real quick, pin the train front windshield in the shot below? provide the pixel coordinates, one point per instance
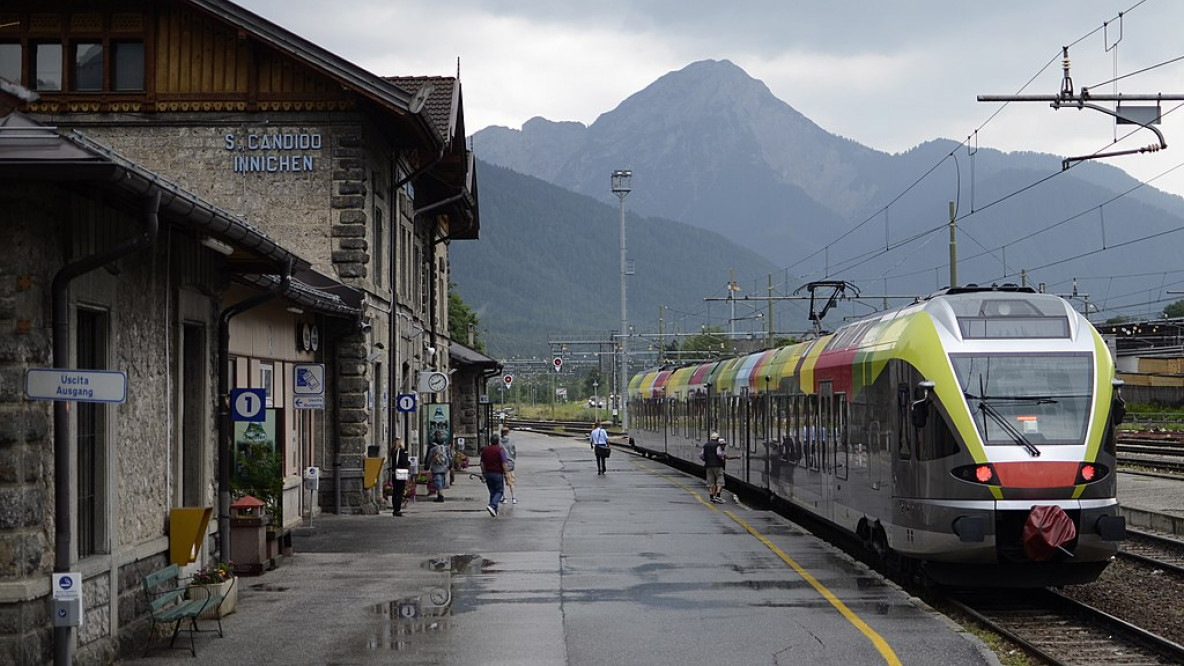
(1027, 399)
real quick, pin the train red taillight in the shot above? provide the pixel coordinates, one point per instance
(1091, 472)
(981, 473)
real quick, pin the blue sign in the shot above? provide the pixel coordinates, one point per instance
(247, 404)
(309, 379)
(405, 402)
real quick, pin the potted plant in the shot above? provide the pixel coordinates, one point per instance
(215, 580)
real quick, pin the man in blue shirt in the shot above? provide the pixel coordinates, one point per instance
(599, 440)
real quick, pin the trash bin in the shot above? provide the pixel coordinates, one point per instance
(248, 535)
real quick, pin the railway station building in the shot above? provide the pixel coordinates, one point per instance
(202, 202)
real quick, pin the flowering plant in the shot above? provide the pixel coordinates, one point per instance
(218, 573)
(461, 461)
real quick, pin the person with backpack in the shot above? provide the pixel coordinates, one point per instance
(600, 447)
(493, 468)
(714, 457)
(440, 462)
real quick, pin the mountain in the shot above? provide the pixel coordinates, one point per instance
(712, 147)
(548, 262)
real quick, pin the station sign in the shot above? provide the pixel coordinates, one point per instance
(247, 404)
(308, 401)
(405, 402)
(76, 385)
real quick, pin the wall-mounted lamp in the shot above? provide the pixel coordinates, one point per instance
(217, 246)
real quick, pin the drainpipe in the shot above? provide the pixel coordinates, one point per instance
(63, 469)
(224, 427)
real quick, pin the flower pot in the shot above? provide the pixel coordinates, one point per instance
(227, 588)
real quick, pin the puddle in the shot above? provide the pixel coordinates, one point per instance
(266, 587)
(401, 620)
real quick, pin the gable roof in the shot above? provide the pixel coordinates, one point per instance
(382, 92)
(441, 102)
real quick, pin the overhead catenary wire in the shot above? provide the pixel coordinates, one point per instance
(855, 262)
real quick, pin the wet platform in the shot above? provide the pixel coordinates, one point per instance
(1152, 501)
(626, 568)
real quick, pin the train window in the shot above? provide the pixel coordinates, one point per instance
(1045, 397)
(1013, 327)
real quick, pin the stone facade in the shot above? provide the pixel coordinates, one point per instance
(131, 469)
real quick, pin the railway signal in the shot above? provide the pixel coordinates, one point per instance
(508, 379)
(558, 363)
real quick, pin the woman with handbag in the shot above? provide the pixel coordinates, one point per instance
(400, 473)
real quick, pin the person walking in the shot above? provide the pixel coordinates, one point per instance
(401, 472)
(440, 463)
(599, 439)
(493, 468)
(714, 458)
(511, 454)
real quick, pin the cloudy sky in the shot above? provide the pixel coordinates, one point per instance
(889, 75)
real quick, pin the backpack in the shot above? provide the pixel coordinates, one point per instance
(439, 457)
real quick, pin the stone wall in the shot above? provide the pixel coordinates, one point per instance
(135, 485)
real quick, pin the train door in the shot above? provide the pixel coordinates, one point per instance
(826, 449)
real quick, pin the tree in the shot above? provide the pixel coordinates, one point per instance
(1174, 310)
(1118, 319)
(462, 321)
(711, 343)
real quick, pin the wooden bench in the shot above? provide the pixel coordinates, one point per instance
(167, 603)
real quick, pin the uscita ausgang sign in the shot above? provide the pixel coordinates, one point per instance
(76, 385)
(276, 152)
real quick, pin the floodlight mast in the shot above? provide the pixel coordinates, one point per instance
(1143, 116)
(622, 181)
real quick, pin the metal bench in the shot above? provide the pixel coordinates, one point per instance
(167, 603)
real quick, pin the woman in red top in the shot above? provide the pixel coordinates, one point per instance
(493, 468)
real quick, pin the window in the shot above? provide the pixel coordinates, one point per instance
(89, 66)
(91, 437)
(87, 75)
(127, 66)
(376, 252)
(1046, 397)
(266, 382)
(47, 67)
(10, 62)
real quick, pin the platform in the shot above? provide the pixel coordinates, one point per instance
(631, 567)
(1151, 501)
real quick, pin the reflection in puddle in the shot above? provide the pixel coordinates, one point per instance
(458, 564)
(401, 619)
(427, 612)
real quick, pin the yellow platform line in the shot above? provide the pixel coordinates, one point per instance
(877, 640)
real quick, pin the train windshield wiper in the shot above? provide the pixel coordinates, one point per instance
(1038, 399)
(1007, 427)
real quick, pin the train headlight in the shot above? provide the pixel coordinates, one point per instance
(984, 473)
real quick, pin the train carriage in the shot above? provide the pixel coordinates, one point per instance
(970, 434)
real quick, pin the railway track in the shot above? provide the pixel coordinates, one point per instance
(1061, 630)
(1161, 552)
